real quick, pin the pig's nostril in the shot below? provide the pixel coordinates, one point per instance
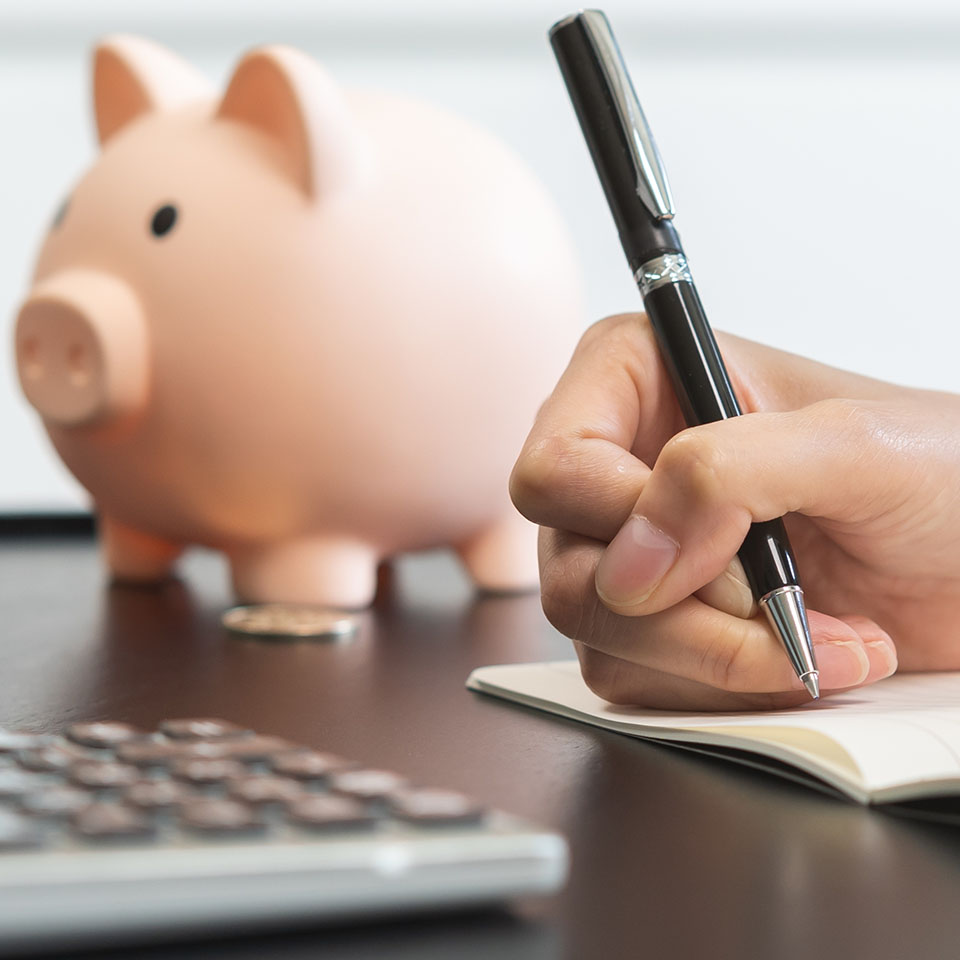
(30, 358)
(78, 365)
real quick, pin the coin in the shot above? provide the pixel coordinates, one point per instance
(289, 620)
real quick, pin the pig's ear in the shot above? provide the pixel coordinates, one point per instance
(133, 76)
(288, 96)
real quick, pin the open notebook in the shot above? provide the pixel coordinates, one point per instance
(894, 741)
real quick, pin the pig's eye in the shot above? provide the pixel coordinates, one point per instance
(60, 214)
(163, 220)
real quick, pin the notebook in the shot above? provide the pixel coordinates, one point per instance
(897, 740)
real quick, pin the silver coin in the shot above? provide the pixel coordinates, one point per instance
(289, 620)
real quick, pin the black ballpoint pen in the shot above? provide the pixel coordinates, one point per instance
(636, 188)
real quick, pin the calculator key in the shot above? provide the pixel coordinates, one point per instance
(216, 815)
(255, 748)
(103, 775)
(325, 811)
(58, 800)
(16, 832)
(308, 764)
(158, 794)
(367, 784)
(204, 771)
(264, 789)
(149, 753)
(103, 734)
(12, 740)
(108, 821)
(17, 783)
(434, 807)
(202, 728)
(54, 758)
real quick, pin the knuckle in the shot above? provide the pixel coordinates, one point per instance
(845, 416)
(564, 600)
(532, 480)
(724, 660)
(694, 460)
(605, 676)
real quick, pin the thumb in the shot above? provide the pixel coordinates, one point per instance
(711, 482)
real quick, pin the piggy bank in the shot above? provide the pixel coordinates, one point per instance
(306, 327)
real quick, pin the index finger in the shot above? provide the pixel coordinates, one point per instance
(585, 461)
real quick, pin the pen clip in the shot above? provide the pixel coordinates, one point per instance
(652, 186)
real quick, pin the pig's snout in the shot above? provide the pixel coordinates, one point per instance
(81, 345)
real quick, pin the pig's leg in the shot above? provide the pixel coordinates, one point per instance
(318, 570)
(504, 555)
(134, 555)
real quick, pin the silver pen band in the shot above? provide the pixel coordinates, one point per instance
(658, 272)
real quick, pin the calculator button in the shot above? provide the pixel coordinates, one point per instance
(103, 734)
(11, 740)
(17, 783)
(264, 789)
(17, 832)
(201, 729)
(54, 758)
(149, 753)
(308, 764)
(367, 784)
(204, 771)
(59, 800)
(249, 748)
(158, 794)
(430, 806)
(103, 775)
(324, 811)
(215, 815)
(106, 821)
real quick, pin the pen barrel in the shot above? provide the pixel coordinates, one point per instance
(700, 380)
(641, 235)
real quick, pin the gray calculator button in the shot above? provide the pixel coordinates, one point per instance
(17, 783)
(367, 784)
(103, 734)
(264, 789)
(54, 758)
(11, 740)
(326, 811)
(201, 728)
(204, 771)
(58, 800)
(216, 815)
(308, 764)
(17, 832)
(108, 821)
(103, 775)
(158, 794)
(431, 806)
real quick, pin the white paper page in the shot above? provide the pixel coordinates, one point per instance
(904, 730)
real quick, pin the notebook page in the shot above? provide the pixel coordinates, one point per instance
(901, 732)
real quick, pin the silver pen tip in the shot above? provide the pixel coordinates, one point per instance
(812, 682)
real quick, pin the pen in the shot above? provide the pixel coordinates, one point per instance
(637, 191)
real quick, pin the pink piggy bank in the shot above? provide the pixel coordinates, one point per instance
(306, 328)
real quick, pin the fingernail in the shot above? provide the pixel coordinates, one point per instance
(841, 663)
(636, 560)
(884, 655)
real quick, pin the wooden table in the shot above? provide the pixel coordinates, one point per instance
(673, 855)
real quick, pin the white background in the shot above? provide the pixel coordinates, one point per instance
(813, 149)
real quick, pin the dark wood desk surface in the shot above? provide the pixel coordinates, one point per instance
(673, 855)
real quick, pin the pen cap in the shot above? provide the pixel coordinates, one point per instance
(617, 135)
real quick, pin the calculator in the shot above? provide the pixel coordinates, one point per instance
(110, 833)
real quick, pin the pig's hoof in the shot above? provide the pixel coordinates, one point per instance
(320, 572)
(503, 558)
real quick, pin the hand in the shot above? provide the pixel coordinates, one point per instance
(641, 521)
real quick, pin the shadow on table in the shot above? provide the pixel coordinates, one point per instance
(466, 936)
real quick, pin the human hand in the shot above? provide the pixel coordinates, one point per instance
(638, 565)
